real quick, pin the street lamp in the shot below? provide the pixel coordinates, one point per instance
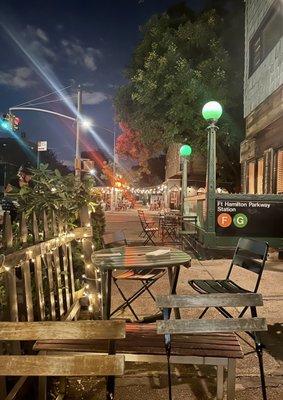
(211, 112)
(86, 123)
(185, 152)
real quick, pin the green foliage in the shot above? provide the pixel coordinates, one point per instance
(64, 194)
(180, 64)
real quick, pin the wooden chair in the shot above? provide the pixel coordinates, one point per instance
(62, 364)
(146, 277)
(203, 332)
(251, 255)
(149, 229)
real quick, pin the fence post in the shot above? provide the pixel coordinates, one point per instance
(38, 272)
(91, 272)
(11, 284)
(23, 229)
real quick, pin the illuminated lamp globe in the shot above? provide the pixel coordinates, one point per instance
(185, 151)
(212, 111)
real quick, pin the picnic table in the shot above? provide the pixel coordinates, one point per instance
(136, 257)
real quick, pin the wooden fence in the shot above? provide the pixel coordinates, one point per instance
(37, 267)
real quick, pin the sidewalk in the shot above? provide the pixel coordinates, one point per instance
(193, 382)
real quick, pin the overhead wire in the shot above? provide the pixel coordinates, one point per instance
(50, 101)
(41, 97)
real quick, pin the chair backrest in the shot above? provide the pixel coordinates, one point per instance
(188, 326)
(62, 365)
(251, 255)
(142, 219)
(112, 239)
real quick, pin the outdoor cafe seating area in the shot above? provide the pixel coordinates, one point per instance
(120, 336)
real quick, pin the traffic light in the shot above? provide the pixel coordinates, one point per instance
(16, 123)
(10, 122)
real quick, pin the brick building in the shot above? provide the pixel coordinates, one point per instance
(262, 149)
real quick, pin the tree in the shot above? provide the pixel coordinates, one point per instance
(129, 144)
(180, 64)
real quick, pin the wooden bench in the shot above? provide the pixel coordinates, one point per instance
(44, 365)
(144, 344)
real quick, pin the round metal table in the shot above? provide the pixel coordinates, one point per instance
(122, 258)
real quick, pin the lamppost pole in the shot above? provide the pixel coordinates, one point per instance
(185, 152)
(78, 156)
(211, 176)
(211, 112)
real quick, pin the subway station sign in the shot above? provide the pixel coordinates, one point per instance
(249, 218)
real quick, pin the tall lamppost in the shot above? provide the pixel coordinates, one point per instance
(185, 152)
(211, 112)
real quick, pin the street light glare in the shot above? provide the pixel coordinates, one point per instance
(86, 123)
(92, 171)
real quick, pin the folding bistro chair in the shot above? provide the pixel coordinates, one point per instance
(169, 228)
(251, 255)
(149, 228)
(145, 276)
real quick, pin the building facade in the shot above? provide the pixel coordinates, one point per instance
(261, 153)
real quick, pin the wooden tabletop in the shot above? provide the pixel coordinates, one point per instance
(135, 256)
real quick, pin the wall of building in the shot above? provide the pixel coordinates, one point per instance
(269, 75)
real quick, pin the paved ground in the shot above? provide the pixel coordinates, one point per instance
(150, 381)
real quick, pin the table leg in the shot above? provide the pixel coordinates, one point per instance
(173, 275)
(109, 292)
(103, 275)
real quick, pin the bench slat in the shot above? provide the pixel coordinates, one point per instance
(211, 325)
(74, 365)
(149, 342)
(45, 330)
(210, 300)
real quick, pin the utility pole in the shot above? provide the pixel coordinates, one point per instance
(78, 156)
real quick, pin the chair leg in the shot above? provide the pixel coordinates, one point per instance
(126, 303)
(146, 286)
(220, 380)
(203, 313)
(42, 388)
(243, 312)
(231, 379)
(261, 369)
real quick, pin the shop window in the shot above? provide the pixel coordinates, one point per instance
(251, 177)
(260, 172)
(279, 183)
(267, 36)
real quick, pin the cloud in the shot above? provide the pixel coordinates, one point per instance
(37, 40)
(18, 78)
(94, 97)
(42, 35)
(79, 55)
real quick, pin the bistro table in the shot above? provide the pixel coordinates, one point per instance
(131, 257)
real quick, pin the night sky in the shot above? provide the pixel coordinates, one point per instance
(46, 45)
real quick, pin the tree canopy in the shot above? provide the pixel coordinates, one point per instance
(181, 63)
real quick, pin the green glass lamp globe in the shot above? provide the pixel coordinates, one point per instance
(185, 150)
(212, 111)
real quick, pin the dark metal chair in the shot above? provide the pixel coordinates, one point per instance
(170, 227)
(149, 228)
(251, 255)
(145, 276)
